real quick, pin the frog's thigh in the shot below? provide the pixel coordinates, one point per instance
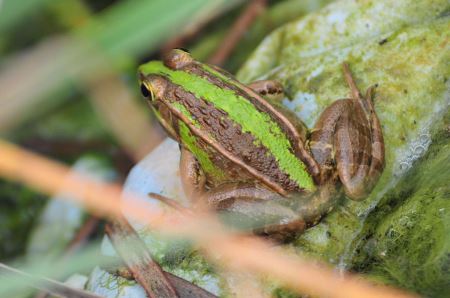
(342, 136)
(358, 143)
(352, 142)
(268, 88)
(360, 152)
(192, 177)
(321, 142)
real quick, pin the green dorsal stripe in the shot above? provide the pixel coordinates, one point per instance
(202, 156)
(242, 111)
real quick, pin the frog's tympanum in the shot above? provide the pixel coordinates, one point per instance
(242, 151)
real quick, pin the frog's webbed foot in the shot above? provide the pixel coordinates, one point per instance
(348, 136)
(272, 90)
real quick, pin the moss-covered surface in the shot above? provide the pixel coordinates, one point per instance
(406, 239)
(399, 233)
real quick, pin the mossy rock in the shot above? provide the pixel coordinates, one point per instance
(403, 47)
(406, 239)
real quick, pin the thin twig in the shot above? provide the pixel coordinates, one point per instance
(191, 30)
(240, 26)
(146, 271)
(82, 235)
(134, 253)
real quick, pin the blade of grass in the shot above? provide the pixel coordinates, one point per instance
(13, 11)
(111, 97)
(114, 38)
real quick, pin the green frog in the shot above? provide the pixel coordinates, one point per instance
(242, 151)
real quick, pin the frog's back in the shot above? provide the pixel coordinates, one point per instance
(247, 130)
(233, 133)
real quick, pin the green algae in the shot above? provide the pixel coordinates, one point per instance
(339, 25)
(407, 237)
(403, 47)
(202, 156)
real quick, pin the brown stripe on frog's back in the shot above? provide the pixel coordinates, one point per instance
(263, 106)
(217, 125)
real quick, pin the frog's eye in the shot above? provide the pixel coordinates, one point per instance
(145, 92)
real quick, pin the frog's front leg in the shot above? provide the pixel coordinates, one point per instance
(222, 197)
(194, 182)
(348, 137)
(192, 177)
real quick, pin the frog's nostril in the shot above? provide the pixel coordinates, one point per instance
(145, 92)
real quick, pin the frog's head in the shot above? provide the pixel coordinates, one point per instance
(159, 90)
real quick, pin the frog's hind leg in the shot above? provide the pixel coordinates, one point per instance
(267, 212)
(321, 141)
(348, 137)
(226, 195)
(358, 142)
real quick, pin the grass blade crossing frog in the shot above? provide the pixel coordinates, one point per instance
(242, 151)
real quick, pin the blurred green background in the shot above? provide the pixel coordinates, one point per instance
(68, 79)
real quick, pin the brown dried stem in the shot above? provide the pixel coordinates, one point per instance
(134, 253)
(240, 26)
(147, 272)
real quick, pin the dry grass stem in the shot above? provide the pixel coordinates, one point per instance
(240, 26)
